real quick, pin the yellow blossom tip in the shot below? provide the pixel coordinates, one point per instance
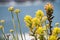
(48, 7)
(17, 11)
(39, 14)
(11, 8)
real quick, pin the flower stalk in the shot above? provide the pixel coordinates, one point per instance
(19, 26)
(49, 12)
(1, 28)
(14, 25)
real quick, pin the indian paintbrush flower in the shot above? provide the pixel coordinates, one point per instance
(28, 20)
(39, 14)
(11, 8)
(40, 31)
(56, 31)
(49, 11)
(52, 37)
(36, 21)
(49, 8)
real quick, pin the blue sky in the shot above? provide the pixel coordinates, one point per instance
(26, 8)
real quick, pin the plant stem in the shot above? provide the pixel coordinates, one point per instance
(13, 36)
(19, 26)
(46, 30)
(14, 25)
(3, 34)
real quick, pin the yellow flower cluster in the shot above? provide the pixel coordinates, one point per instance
(40, 31)
(28, 20)
(56, 31)
(35, 21)
(1, 27)
(39, 14)
(52, 37)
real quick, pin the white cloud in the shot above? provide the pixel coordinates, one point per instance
(26, 36)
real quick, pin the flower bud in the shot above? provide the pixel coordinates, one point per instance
(17, 11)
(11, 8)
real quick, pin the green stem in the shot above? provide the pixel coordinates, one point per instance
(14, 25)
(19, 26)
(13, 36)
(46, 31)
(3, 34)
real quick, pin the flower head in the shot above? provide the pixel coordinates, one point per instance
(2, 21)
(11, 30)
(1, 27)
(35, 21)
(49, 7)
(28, 20)
(17, 11)
(11, 8)
(40, 30)
(39, 14)
(52, 37)
(56, 30)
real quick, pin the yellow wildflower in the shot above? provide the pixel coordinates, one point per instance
(11, 30)
(35, 21)
(52, 37)
(28, 20)
(56, 30)
(1, 27)
(49, 8)
(2, 21)
(17, 11)
(40, 30)
(11, 8)
(39, 14)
